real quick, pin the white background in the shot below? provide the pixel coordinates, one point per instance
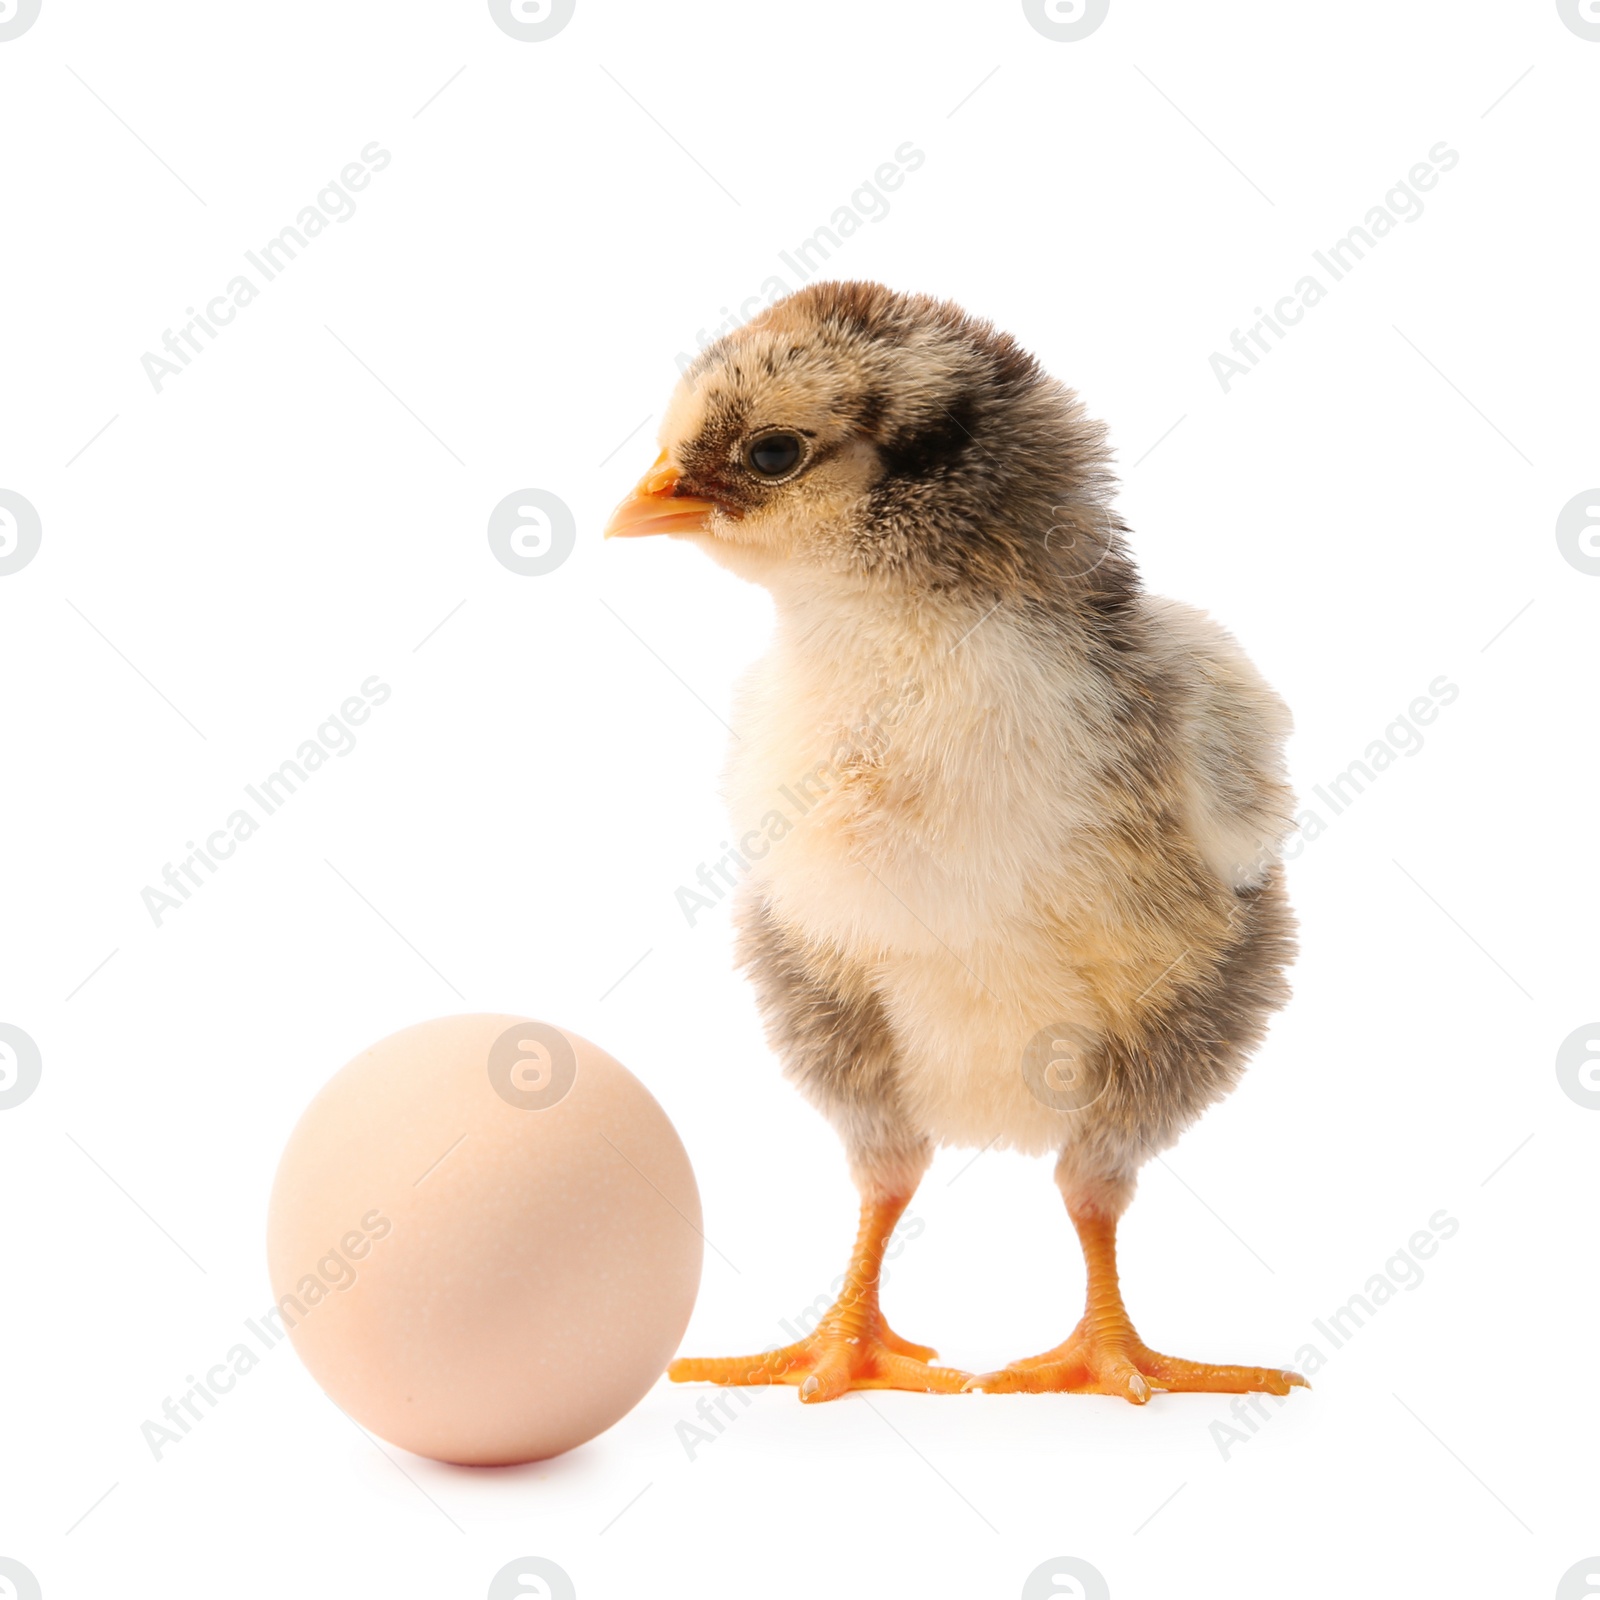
(1372, 507)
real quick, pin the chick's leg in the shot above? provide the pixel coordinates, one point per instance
(853, 1347)
(1104, 1355)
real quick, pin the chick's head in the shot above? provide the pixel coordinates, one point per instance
(878, 437)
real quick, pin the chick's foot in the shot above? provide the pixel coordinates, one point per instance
(1116, 1361)
(853, 1347)
(1103, 1354)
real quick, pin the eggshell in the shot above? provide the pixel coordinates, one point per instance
(484, 1237)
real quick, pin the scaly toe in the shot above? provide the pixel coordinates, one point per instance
(1036, 1375)
(1116, 1372)
(908, 1372)
(1204, 1377)
(904, 1347)
(1128, 1384)
(830, 1375)
(739, 1371)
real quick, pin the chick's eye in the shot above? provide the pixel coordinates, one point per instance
(774, 454)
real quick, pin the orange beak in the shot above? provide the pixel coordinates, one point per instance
(655, 506)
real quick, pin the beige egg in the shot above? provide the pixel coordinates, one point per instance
(484, 1238)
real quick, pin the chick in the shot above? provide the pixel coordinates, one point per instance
(1011, 824)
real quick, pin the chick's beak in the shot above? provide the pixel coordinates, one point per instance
(655, 506)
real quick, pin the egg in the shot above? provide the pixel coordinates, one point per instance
(484, 1239)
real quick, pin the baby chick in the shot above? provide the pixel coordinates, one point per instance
(1011, 823)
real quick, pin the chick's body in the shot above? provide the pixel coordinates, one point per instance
(975, 858)
(1011, 823)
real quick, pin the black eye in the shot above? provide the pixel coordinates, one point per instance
(774, 454)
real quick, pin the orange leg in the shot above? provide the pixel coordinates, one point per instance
(1103, 1354)
(853, 1347)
